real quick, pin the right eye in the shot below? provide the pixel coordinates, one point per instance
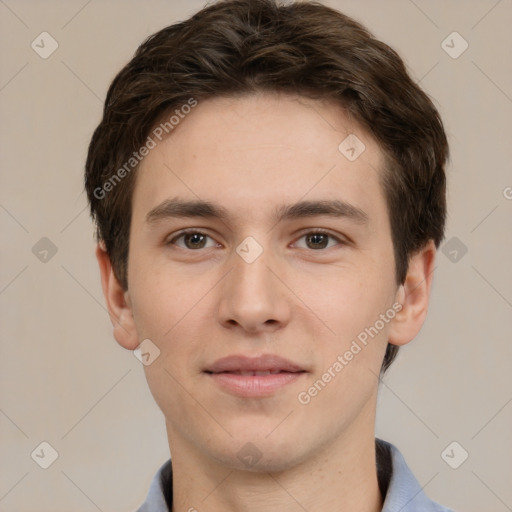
(192, 240)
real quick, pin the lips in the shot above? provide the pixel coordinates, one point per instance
(251, 372)
(267, 364)
(254, 377)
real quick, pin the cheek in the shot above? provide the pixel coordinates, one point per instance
(173, 311)
(163, 300)
(358, 308)
(350, 301)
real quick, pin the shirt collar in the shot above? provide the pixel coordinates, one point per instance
(404, 493)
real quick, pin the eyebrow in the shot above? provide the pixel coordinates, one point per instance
(179, 208)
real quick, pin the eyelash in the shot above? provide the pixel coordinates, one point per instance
(197, 232)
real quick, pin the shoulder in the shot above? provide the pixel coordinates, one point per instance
(158, 494)
(404, 493)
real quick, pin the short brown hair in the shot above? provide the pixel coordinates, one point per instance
(235, 47)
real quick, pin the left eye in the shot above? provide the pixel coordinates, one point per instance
(318, 239)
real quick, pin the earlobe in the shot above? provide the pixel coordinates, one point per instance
(118, 303)
(413, 295)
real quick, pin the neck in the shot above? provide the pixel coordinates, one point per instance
(341, 476)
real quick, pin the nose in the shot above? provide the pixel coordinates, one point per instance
(253, 296)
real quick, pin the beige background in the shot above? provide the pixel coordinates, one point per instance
(64, 379)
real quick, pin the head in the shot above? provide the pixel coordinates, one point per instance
(247, 106)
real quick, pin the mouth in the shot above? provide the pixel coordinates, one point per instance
(264, 364)
(254, 376)
(249, 373)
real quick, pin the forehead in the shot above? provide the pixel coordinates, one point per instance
(254, 152)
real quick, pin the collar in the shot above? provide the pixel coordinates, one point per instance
(402, 491)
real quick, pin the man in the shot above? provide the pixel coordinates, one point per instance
(269, 192)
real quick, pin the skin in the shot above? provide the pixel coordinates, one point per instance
(298, 299)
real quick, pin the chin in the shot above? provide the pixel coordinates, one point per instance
(259, 455)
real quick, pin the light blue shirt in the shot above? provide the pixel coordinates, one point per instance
(404, 493)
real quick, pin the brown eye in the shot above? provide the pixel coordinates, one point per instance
(318, 240)
(192, 240)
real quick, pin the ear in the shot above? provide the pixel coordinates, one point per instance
(413, 295)
(118, 302)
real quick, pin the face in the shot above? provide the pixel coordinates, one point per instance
(289, 268)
